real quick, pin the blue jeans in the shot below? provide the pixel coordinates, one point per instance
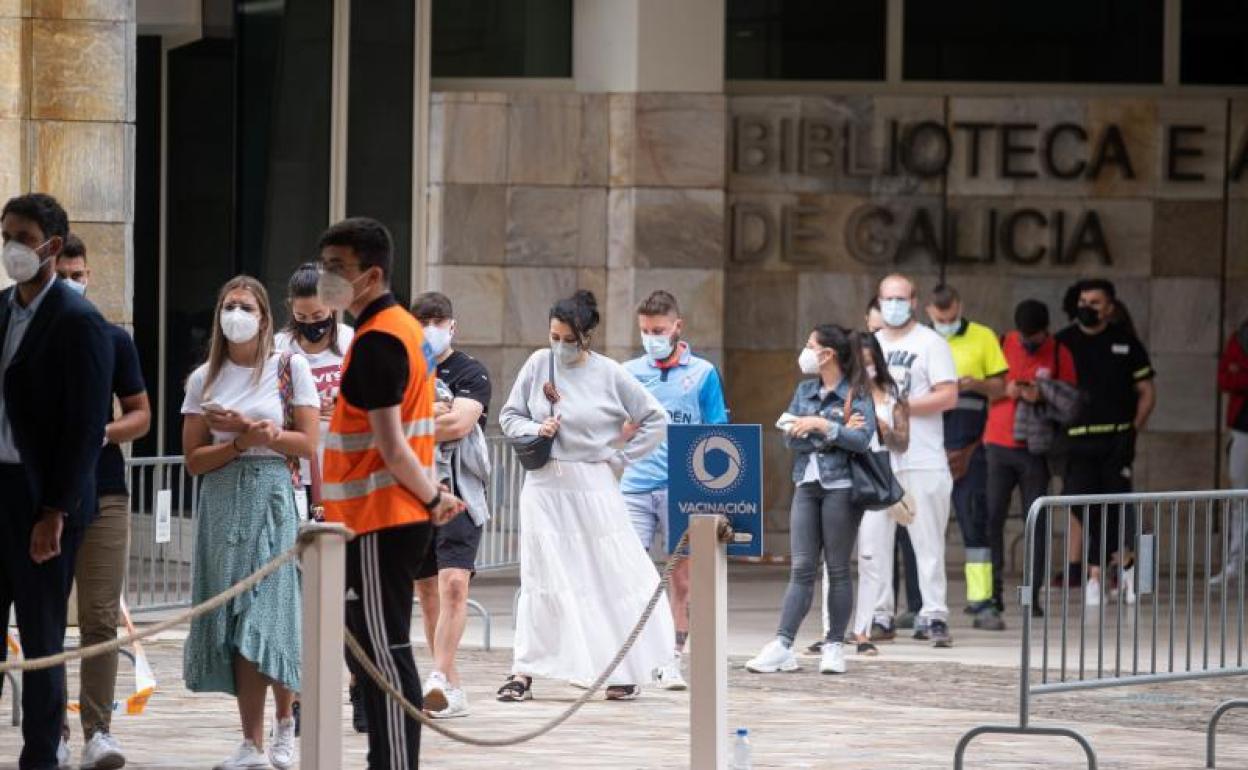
(823, 525)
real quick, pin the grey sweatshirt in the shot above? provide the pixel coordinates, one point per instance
(598, 397)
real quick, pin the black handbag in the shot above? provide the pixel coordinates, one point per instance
(533, 452)
(874, 486)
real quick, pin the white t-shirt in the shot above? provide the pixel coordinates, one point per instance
(327, 372)
(918, 361)
(883, 416)
(235, 389)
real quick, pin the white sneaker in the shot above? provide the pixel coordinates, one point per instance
(282, 744)
(773, 657)
(668, 675)
(1092, 593)
(102, 752)
(246, 757)
(435, 692)
(833, 660)
(457, 705)
(63, 753)
(1128, 578)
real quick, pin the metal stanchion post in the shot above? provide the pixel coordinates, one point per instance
(708, 631)
(324, 582)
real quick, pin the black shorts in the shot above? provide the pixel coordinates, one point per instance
(454, 546)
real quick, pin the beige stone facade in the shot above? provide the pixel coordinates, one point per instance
(769, 214)
(67, 125)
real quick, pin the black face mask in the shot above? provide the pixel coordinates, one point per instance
(1087, 316)
(315, 332)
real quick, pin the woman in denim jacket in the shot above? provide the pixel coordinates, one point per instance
(823, 521)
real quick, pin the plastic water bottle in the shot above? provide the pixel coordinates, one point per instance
(741, 750)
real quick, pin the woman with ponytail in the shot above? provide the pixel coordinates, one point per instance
(831, 417)
(583, 580)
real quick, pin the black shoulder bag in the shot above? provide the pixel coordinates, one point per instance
(533, 452)
(874, 486)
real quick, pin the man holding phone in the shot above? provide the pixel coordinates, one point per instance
(1032, 354)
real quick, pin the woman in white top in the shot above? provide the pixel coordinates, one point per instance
(247, 410)
(317, 333)
(583, 581)
(877, 530)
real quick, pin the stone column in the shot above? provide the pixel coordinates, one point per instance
(67, 125)
(663, 64)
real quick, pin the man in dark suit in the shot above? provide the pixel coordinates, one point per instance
(56, 365)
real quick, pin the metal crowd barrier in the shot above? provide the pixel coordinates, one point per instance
(1179, 627)
(164, 505)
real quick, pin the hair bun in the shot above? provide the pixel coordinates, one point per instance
(588, 305)
(586, 298)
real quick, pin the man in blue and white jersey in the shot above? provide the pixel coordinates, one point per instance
(690, 390)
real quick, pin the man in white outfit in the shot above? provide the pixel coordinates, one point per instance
(922, 364)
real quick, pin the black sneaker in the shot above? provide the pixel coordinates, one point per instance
(974, 608)
(938, 632)
(815, 648)
(989, 619)
(359, 720)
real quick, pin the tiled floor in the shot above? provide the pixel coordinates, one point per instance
(904, 709)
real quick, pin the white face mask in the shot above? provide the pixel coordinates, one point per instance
(239, 326)
(334, 291)
(658, 346)
(808, 361)
(21, 262)
(76, 287)
(568, 353)
(438, 338)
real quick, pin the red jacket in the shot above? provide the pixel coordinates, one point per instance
(1233, 379)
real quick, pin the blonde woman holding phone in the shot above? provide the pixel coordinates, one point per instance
(248, 412)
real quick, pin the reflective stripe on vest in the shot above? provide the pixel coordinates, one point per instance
(360, 442)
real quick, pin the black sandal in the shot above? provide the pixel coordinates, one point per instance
(866, 648)
(623, 692)
(516, 689)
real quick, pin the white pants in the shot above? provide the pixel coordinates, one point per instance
(931, 491)
(876, 536)
(1237, 467)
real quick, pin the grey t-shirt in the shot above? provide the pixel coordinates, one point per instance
(597, 398)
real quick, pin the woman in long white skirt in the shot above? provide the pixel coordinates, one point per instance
(584, 582)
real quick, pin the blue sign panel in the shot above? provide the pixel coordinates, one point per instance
(717, 469)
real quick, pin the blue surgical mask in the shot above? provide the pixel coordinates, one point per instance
(658, 346)
(896, 312)
(947, 330)
(77, 287)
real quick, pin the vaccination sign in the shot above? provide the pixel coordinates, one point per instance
(717, 469)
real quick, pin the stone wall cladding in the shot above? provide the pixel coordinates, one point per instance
(533, 196)
(67, 126)
(631, 192)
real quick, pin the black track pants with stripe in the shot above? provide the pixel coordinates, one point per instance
(381, 570)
